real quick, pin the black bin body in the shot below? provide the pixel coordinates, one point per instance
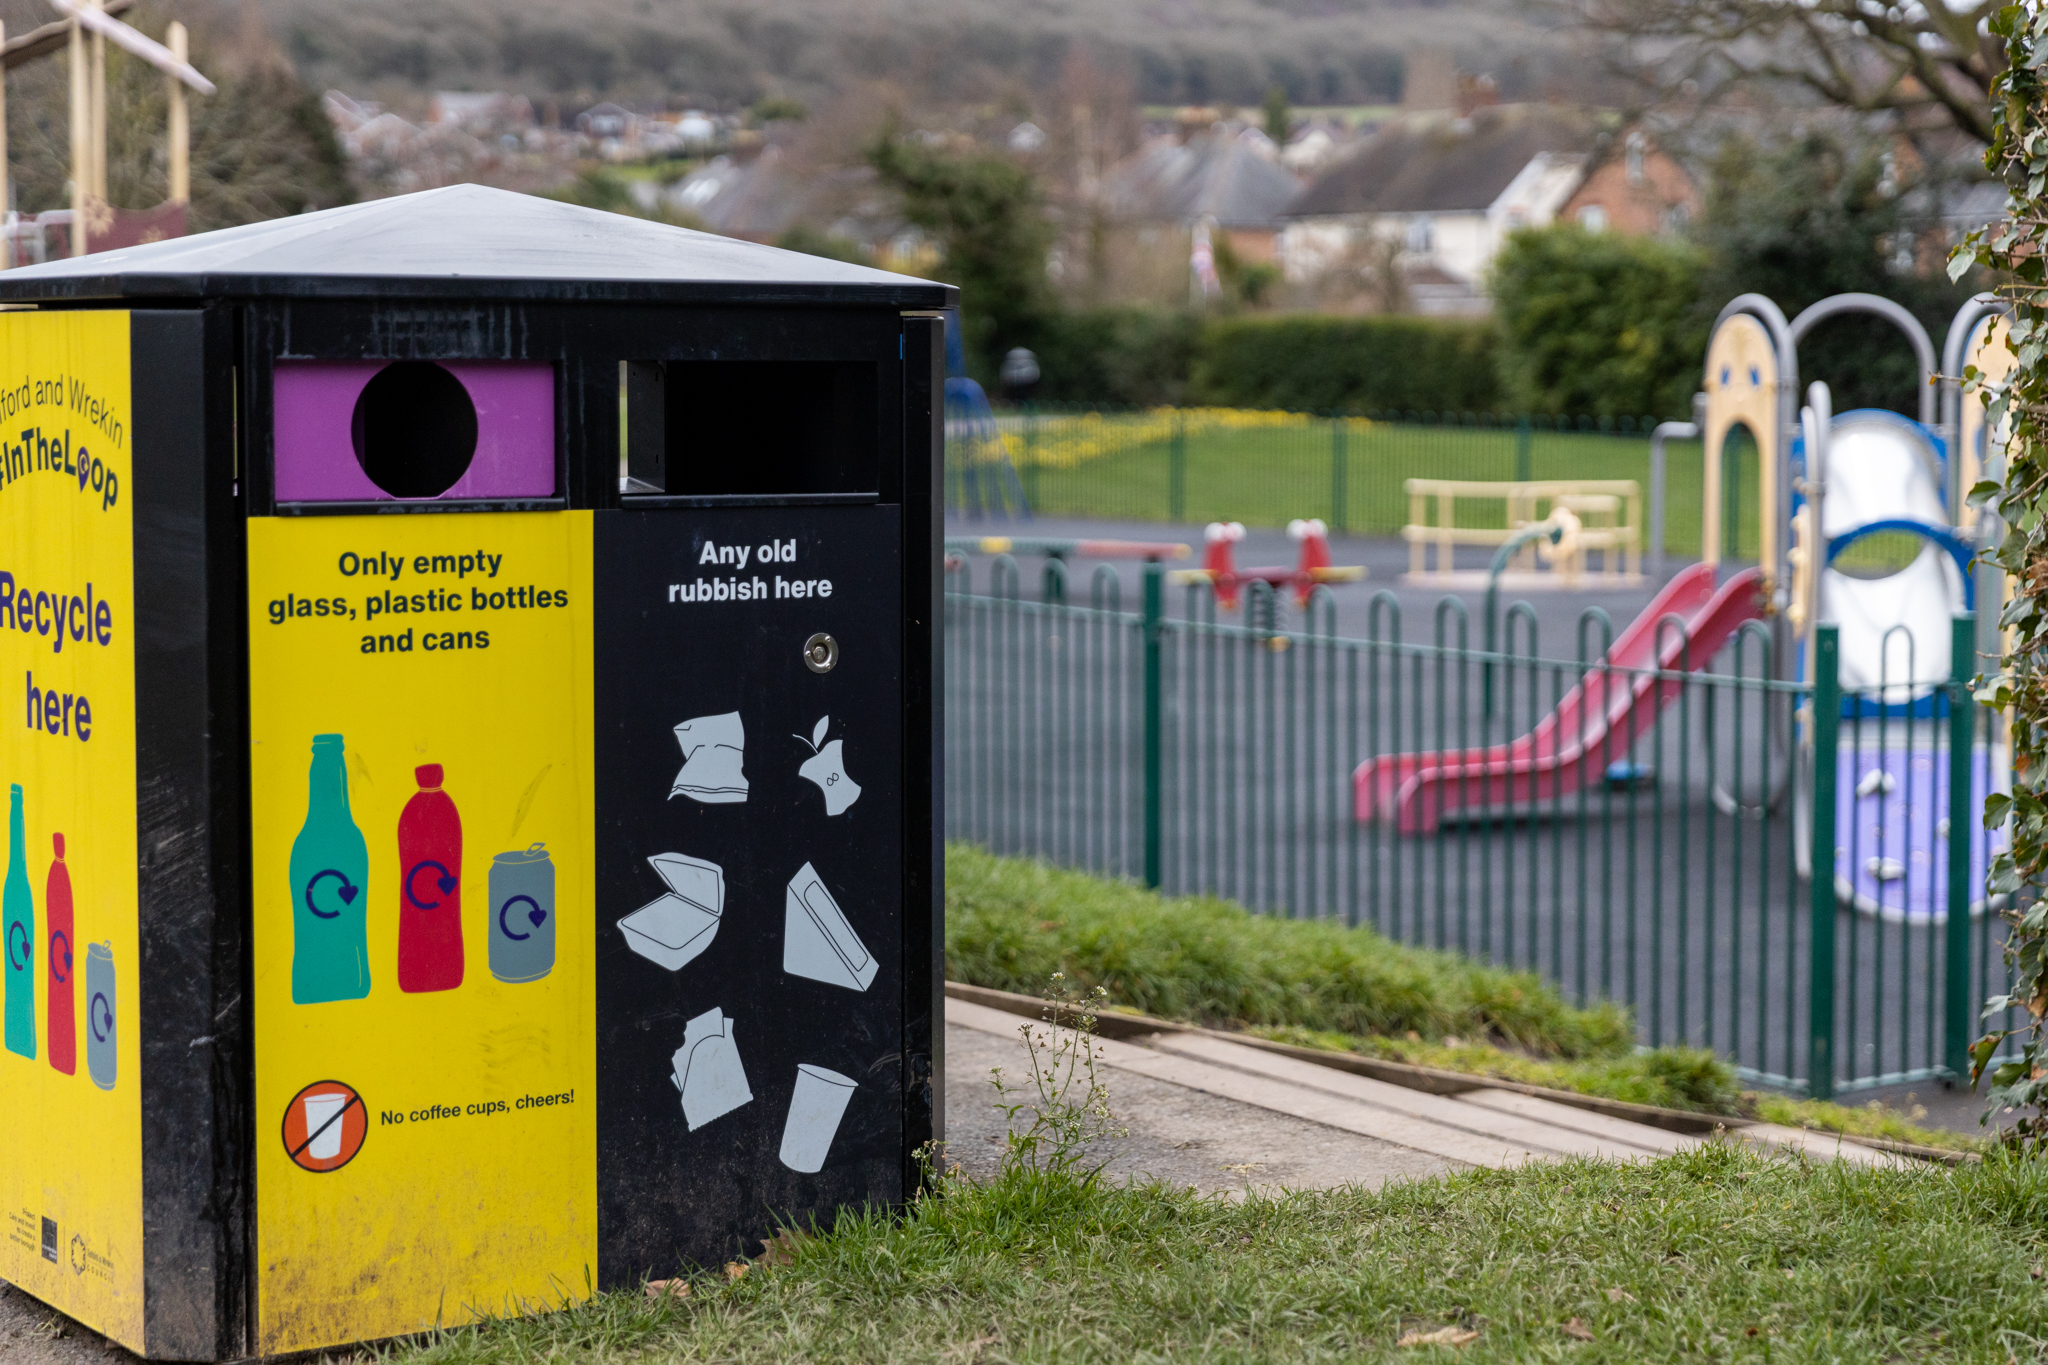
(472, 827)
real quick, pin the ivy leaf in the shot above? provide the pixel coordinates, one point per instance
(1981, 493)
(1996, 807)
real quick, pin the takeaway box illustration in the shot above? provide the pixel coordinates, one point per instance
(556, 574)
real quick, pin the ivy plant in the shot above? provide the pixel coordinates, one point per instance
(2016, 251)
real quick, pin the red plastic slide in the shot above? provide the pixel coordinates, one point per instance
(1568, 747)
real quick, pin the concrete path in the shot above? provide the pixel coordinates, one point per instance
(1253, 1115)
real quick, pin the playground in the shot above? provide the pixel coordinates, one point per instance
(1601, 721)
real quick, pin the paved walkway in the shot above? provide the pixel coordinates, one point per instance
(1220, 1116)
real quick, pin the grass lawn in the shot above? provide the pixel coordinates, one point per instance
(1011, 923)
(1716, 1254)
(1266, 475)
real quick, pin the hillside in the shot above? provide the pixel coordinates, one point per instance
(737, 51)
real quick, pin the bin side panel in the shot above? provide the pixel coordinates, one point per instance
(749, 1052)
(71, 1223)
(424, 1112)
(191, 771)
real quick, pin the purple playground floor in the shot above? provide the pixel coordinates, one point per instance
(1891, 857)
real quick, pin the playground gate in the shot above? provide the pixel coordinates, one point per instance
(1204, 757)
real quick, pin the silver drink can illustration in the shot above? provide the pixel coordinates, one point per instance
(522, 914)
(100, 1053)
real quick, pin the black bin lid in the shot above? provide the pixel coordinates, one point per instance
(468, 242)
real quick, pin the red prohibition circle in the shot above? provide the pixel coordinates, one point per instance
(324, 1126)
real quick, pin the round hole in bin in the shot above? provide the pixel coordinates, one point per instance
(414, 429)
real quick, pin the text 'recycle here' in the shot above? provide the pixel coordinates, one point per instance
(77, 615)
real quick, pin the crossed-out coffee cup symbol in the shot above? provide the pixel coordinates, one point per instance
(446, 881)
(348, 891)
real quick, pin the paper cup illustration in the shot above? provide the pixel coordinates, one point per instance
(814, 1113)
(826, 769)
(522, 928)
(707, 1070)
(713, 748)
(675, 928)
(324, 1123)
(817, 942)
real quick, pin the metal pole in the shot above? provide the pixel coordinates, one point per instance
(1155, 708)
(1684, 431)
(1820, 996)
(1522, 443)
(1177, 469)
(181, 126)
(98, 149)
(1958, 1014)
(81, 157)
(1340, 473)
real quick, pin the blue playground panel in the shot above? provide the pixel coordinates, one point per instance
(1895, 833)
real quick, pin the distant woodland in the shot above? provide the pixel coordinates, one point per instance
(731, 52)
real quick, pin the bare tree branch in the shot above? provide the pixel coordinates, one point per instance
(1935, 60)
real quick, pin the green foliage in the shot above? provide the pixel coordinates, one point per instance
(1011, 924)
(1598, 322)
(2014, 251)
(987, 213)
(1279, 118)
(1715, 1254)
(779, 108)
(1808, 218)
(813, 242)
(1310, 362)
(1116, 355)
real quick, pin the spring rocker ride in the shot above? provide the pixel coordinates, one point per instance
(1869, 472)
(1219, 563)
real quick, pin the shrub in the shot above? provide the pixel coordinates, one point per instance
(1597, 322)
(1316, 363)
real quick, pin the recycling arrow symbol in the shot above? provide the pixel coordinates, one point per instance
(63, 974)
(534, 916)
(445, 881)
(28, 950)
(348, 891)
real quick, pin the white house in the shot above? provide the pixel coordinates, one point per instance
(1448, 188)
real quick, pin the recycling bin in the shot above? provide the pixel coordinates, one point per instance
(475, 805)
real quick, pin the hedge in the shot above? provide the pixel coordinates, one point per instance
(1312, 362)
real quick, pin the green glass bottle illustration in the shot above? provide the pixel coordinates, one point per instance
(20, 913)
(330, 874)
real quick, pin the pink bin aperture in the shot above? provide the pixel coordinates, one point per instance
(315, 401)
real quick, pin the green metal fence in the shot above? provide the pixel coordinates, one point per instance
(1266, 468)
(1669, 867)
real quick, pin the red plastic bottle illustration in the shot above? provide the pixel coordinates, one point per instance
(430, 892)
(63, 1027)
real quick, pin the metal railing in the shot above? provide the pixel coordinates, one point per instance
(1266, 468)
(1657, 855)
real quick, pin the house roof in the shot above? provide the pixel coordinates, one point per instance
(1439, 163)
(767, 196)
(1216, 175)
(470, 242)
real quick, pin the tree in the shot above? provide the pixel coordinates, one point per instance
(1934, 60)
(988, 217)
(1595, 322)
(1816, 216)
(1279, 118)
